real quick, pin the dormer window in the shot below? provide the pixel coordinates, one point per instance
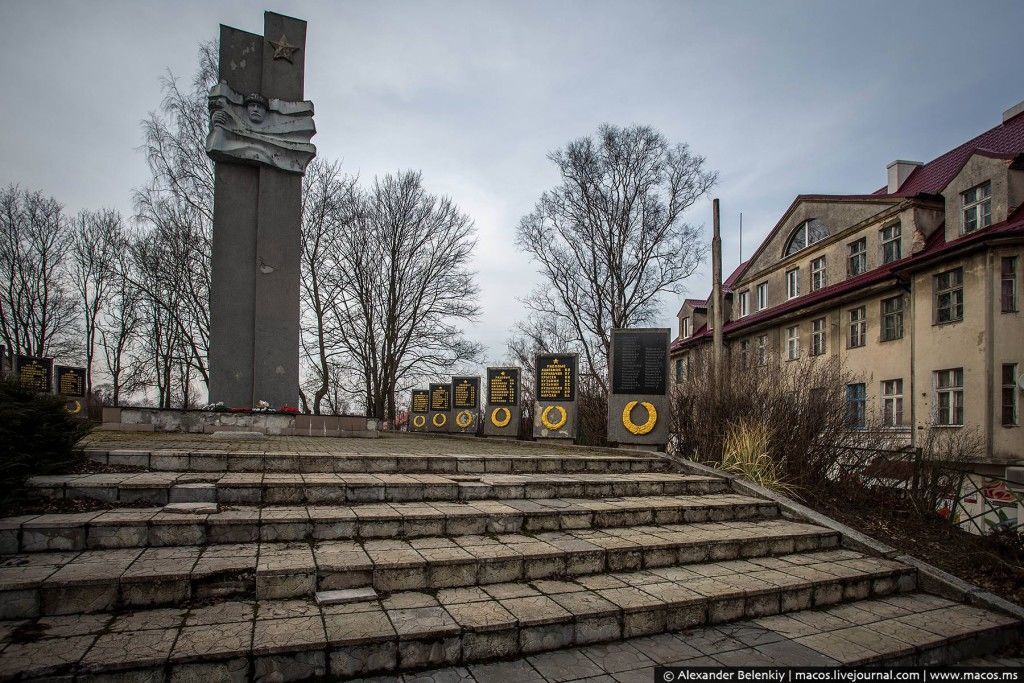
(685, 327)
(745, 302)
(806, 234)
(977, 203)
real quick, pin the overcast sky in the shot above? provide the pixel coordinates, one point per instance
(782, 98)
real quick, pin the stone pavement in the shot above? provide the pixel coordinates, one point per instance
(292, 558)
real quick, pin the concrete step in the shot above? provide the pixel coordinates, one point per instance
(219, 460)
(289, 488)
(165, 526)
(784, 617)
(100, 580)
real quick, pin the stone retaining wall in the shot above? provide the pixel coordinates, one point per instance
(207, 422)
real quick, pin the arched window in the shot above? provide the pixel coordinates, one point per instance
(806, 234)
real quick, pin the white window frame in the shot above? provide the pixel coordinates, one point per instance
(858, 254)
(896, 314)
(744, 300)
(792, 283)
(819, 340)
(892, 402)
(890, 236)
(949, 283)
(819, 273)
(762, 350)
(977, 207)
(858, 327)
(793, 342)
(762, 296)
(686, 327)
(949, 390)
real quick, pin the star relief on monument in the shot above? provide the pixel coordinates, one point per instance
(283, 49)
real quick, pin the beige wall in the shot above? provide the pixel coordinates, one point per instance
(980, 343)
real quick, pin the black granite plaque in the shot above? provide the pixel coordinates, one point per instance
(465, 392)
(556, 377)
(502, 386)
(420, 400)
(639, 360)
(70, 381)
(35, 373)
(440, 396)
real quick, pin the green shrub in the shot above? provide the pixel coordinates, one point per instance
(36, 436)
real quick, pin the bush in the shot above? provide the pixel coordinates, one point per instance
(800, 413)
(746, 453)
(36, 436)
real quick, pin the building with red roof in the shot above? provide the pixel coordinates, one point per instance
(915, 287)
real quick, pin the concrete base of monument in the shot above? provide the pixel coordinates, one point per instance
(554, 442)
(129, 419)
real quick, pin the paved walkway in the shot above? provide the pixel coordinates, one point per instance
(292, 558)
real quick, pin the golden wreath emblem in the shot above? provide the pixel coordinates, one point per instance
(563, 417)
(503, 421)
(440, 419)
(73, 407)
(464, 419)
(641, 429)
(419, 421)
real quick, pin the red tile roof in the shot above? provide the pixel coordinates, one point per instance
(1005, 140)
(936, 245)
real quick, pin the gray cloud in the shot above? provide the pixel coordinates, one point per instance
(782, 97)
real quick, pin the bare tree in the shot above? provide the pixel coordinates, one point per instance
(328, 202)
(96, 238)
(37, 309)
(610, 238)
(120, 328)
(407, 288)
(177, 207)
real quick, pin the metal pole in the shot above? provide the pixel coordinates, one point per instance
(716, 296)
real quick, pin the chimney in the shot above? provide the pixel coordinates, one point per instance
(1015, 110)
(899, 171)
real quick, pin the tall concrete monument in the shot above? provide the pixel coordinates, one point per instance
(260, 130)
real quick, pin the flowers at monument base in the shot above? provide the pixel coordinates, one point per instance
(499, 422)
(419, 421)
(464, 419)
(288, 409)
(639, 429)
(439, 420)
(553, 425)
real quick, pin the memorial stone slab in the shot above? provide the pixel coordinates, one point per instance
(556, 377)
(439, 417)
(34, 373)
(503, 414)
(259, 135)
(465, 405)
(419, 407)
(71, 385)
(638, 409)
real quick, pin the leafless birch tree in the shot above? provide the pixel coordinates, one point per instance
(407, 288)
(610, 238)
(96, 239)
(176, 206)
(38, 312)
(329, 199)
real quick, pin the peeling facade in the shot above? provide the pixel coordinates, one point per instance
(916, 287)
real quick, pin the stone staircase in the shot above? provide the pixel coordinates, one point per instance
(295, 558)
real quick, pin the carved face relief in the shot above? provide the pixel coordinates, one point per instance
(256, 112)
